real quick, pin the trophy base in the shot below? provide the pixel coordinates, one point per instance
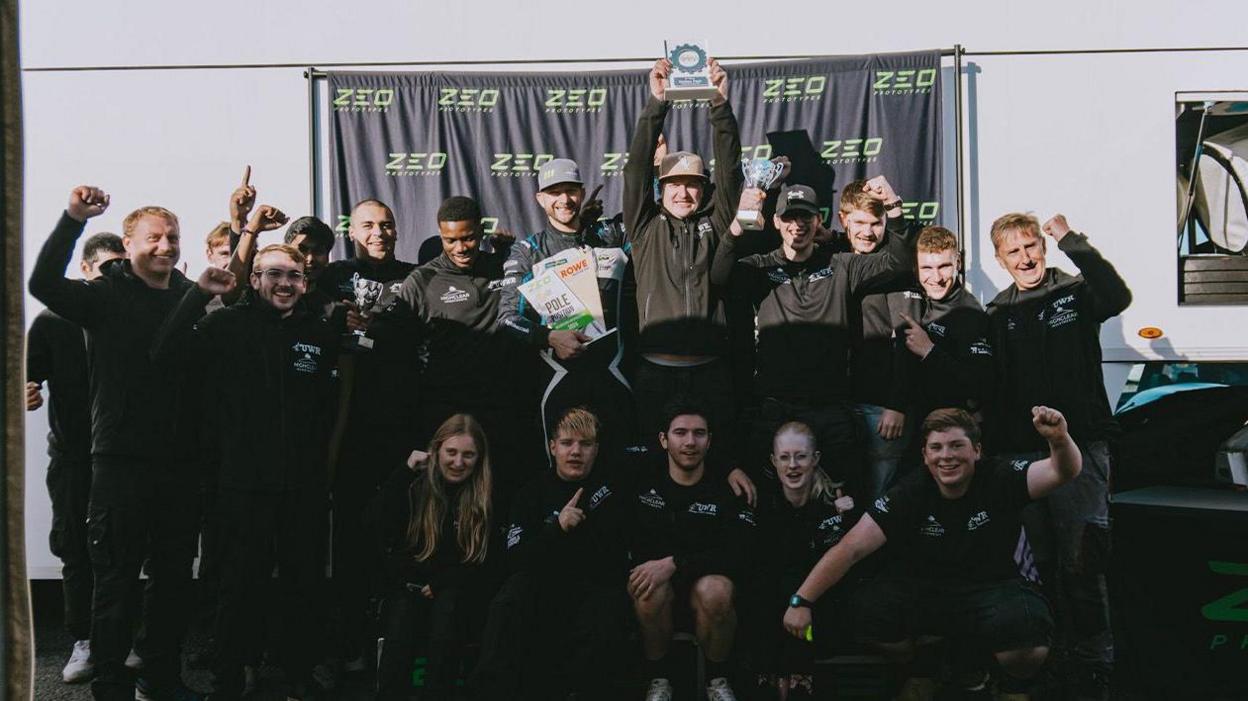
(750, 219)
(704, 91)
(357, 342)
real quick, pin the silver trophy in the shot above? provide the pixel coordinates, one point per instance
(760, 174)
(367, 292)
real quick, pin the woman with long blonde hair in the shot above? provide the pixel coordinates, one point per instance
(435, 529)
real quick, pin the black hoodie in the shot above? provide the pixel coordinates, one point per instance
(136, 407)
(271, 399)
(1048, 348)
(56, 353)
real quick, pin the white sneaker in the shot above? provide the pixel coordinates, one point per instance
(133, 661)
(79, 667)
(720, 691)
(660, 690)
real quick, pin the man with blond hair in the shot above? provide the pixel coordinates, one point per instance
(272, 483)
(143, 502)
(1046, 334)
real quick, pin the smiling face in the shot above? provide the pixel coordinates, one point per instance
(794, 458)
(153, 246)
(950, 457)
(574, 455)
(562, 205)
(1021, 253)
(863, 229)
(797, 231)
(373, 229)
(682, 194)
(686, 441)
(279, 280)
(457, 458)
(461, 242)
(938, 270)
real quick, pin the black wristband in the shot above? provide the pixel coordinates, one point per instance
(796, 602)
(895, 204)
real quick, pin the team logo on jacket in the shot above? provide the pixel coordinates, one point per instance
(778, 276)
(653, 500)
(705, 228)
(1064, 312)
(938, 329)
(513, 536)
(1020, 464)
(821, 274)
(454, 295)
(698, 508)
(881, 505)
(978, 521)
(932, 528)
(980, 346)
(496, 285)
(597, 497)
(308, 357)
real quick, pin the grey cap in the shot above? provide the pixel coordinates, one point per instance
(557, 172)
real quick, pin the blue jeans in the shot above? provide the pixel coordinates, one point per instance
(882, 457)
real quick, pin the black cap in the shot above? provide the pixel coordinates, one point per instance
(797, 199)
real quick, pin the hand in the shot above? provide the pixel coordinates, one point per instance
(591, 210)
(242, 200)
(719, 78)
(843, 503)
(786, 168)
(1056, 227)
(822, 233)
(86, 202)
(570, 516)
(880, 189)
(646, 578)
(752, 198)
(917, 340)
(567, 344)
(1050, 424)
(742, 485)
(416, 461)
(796, 621)
(356, 320)
(426, 591)
(266, 218)
(216, 281)
(658, 78)
(34, 399)
(502, 237)
(892, 423)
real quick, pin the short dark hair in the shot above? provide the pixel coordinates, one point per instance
(683, 405)
(317, 231)
(372, 201)
(103, 241)
(459, 208)
(946, 419)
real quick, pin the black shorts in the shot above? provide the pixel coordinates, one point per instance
(998, 616)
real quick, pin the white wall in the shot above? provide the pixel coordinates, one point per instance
(181, 137)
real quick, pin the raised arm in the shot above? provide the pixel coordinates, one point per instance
(173, 338)
(72, 299)
(1064, 462)
(728, 177)
(639, 205)
(1110, 295)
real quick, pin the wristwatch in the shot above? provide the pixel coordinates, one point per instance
(796, 602)
(895, 204)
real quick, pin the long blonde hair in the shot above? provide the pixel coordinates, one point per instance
(822, 486)
(429, 505)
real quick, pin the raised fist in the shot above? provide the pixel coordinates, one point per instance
(880, 189)
(591, 210)
(658, 78)
(216, 281)
(266, 218)
(86, 202)
(1049, 423)
(242, 199)
(1056, 227)
(719, 78)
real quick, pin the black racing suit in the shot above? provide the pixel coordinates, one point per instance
(595, 379)
(680, 312)
(380, 422)
(803, 314)
(56, 354)
(143, 502)
(556, 626)
(470, 365)
(1048, 351)
(273, 399)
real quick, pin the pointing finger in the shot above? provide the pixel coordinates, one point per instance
(575, 498)
(246, 176)
(594, 195)
(909, 320)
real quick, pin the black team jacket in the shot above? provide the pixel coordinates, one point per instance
(56, 353)
(136, 403)
(679, 311)
(1048, 348)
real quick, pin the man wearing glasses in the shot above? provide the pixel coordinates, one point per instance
(276, 362)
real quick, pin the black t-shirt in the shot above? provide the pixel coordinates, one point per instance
(972, 538)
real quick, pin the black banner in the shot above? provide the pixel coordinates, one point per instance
(413, 139)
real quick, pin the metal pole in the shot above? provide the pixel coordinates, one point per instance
(957, 140)
(314, 199)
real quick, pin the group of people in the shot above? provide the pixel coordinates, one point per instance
(539, 511)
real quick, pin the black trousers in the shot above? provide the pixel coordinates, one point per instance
(546, 638)
(710, 384)
(440, 628)
(139, 510)
(69, 486)
(257, 530)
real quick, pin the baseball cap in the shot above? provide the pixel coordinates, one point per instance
(681, 163)
(797, 199)
(557, 172)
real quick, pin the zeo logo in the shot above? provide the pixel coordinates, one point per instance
(907, 82)
(489, 225)
(748, 153)
(416, 163)
(362, 99)
(467, 99)
(923, 211)
(344, 225)
(519, 164)
(613, 163)
(1232, 608)
(794, 89)
(575, 99)
(837, 151)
